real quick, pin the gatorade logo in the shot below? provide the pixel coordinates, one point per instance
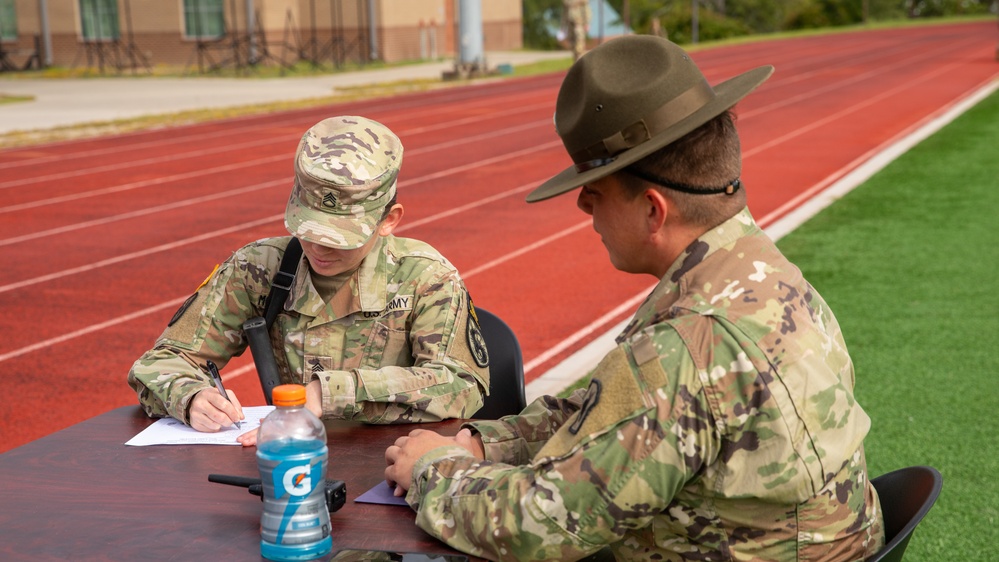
(297, 481)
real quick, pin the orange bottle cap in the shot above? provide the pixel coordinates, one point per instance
(288, 395)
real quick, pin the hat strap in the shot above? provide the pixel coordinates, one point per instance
(668, 115)
(729, 189)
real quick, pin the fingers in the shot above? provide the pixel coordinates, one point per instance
(399, 466)
(463, 436)
(210, 411)
(314, 398)
(391, 454)
(236, 405)
(473, 443)
(397, 480)
(248, 439)
(390, 479)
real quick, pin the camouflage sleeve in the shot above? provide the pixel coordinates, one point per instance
(207, 326)
(611, 467)
(449, 375)
(516, 439)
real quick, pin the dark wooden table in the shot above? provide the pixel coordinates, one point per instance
(81, 494)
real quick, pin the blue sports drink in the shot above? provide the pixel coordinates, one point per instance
(292, 458)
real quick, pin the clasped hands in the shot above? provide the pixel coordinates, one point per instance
(408, 449)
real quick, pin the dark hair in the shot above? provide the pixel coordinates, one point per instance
(388, 207)
(708, 158)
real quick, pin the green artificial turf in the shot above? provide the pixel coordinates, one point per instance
(908, 262)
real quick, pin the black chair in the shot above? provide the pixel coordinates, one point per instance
(506, 369)
(907, 494)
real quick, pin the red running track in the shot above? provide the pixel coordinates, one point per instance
(102, 239)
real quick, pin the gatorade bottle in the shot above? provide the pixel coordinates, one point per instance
(292, 459)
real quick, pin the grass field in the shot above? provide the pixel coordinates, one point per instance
(908, 261)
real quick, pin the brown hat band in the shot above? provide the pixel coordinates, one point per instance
(671, 113)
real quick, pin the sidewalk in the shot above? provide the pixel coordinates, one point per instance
(75, 101)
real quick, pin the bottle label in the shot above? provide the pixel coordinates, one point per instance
(295, 518)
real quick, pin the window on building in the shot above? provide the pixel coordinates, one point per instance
(99, 20)
(8, 21)
(203, 19)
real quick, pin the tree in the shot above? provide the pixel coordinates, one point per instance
(540, 17)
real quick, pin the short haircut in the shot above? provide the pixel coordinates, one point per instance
(708, 158)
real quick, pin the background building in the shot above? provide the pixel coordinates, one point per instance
(217, 33)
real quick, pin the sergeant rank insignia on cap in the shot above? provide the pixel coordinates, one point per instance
(329, 200)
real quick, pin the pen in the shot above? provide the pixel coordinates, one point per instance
(214, 372)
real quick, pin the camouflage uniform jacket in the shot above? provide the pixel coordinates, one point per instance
(722, 427)
(396, 343)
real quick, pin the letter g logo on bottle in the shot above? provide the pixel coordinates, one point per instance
(296, 481)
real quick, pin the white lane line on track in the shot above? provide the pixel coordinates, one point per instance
(900, 89)
(139, 184)
(90, 329)
(525, 249)
(842, 83)
(141, 253)
(206, 236)
(141, 212)
(198, 153)
(274, 218)
(241, 130)
(284, 140)
(808, 203)
(243, 165)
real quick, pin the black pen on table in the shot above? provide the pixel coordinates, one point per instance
(214, 372)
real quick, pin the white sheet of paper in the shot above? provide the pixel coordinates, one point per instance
(168, 431)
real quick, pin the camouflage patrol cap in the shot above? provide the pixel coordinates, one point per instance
(345, 174)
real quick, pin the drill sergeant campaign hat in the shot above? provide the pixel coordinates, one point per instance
(345, 175)
(629, 97)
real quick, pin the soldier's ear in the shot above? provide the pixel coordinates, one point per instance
(391, 220)
(657, 209)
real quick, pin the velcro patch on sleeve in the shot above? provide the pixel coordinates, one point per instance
(184, 324)
(183, 308)
(614, 396)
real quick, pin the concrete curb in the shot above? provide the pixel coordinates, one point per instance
(76, 101)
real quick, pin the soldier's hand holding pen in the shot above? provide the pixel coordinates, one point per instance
(214, 408)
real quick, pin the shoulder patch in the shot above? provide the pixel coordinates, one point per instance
(590, 401)
(183, 308)
(476, 342)
(187, 303)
